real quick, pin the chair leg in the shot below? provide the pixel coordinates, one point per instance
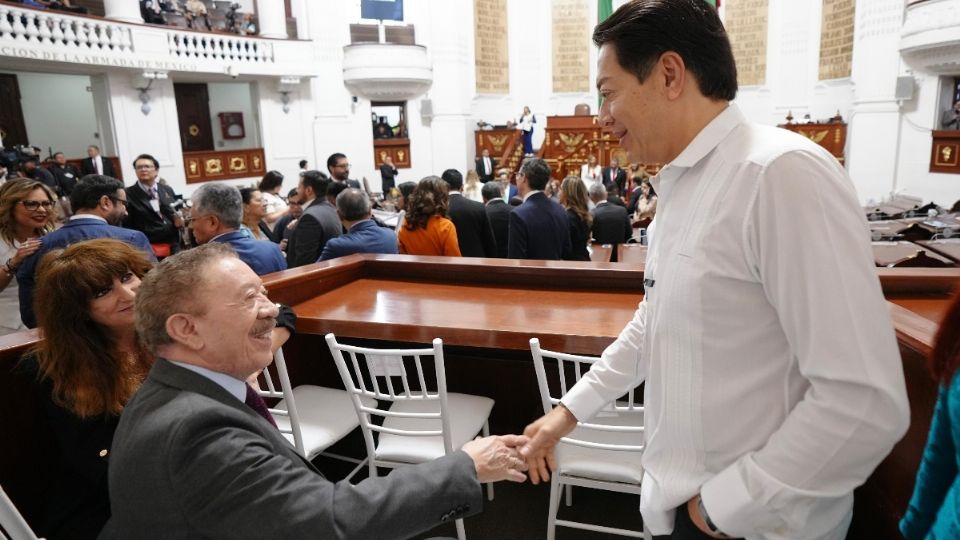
(486, 433)
(569, 494)
(461, 532)
(554, 506)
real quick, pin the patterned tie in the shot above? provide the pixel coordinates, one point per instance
(255, 402)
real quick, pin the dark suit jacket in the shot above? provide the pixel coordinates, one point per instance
(190, 460)
(388, 177)
(473, 229)
(318, 224)
(86, 167)
(498, 214)
(159, 228)
(484, 177)
(73, 231)
(66, 176)
(613, 177)
(263, 256)
(611, 224)
(539, 229)
(364, 237)
(579, 237)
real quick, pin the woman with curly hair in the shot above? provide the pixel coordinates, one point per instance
(573, 197)
(426, 229)
(88, 366)
(27, 211)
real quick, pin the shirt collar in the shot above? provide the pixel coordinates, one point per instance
(221, 235)
(236, 387)
(706, 140)
(146, 188)
(87, 216)
(362, 224)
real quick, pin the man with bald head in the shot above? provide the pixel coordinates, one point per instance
(196, 455)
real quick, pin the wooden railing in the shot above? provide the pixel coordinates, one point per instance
(223, 165)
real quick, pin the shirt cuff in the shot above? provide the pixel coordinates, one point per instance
(583, 401)
(731, 507)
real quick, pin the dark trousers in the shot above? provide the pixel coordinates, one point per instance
(528, 142)
(684, 529)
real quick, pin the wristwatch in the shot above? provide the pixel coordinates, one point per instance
(706, 519)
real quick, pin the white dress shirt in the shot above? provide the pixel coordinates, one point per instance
(98, 163)
(590, 175)
(774, 382)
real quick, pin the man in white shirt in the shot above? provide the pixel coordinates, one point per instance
(773, 380)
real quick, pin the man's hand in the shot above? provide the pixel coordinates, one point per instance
(497, 458)
(544, 435)
(693, 509)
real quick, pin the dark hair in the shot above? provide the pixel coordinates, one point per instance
(650, 194)
(77, 355)
(454, 178)
(406, 189)
(946, 350)
(89, 189)
(95, 147)
(156, 163)
(490, 191)
(334, 189)
(270, 181)
(332, 160)
(55, 154)
(292, 192)
(642, 30)
(427, 200)
(303, 163)
(537, 172)
(247, 193)
(317, 181)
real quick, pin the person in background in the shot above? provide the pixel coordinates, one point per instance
(388, 176)
(65, 174)
(363, 234)
(950, 119)
(316, 225)
(333, 190)
(553, 190)
(339, 167)
(485, 166)
(934, 509)
(539, 227)
(88, 366)
(94, 163)
(498, 214)
(285, 225)
(471, 187)
(426, 229)
(573, 197)
(646, 203)
(149, 207)
(614, 176)
(254, 210)
(611, 223)
(303, 166)
(590, 172)
(405, 190)
(474, 236)
(26, 208)
(32, 170)
(525, 125)
(508, 187)
(270, 186)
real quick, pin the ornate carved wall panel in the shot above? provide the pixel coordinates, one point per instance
(491, 53)
(746, 24)
(836, 38)
(225, 165)
(571, 46)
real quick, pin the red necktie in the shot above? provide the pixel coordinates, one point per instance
(255, 402)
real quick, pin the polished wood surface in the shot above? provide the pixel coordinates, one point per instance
(634, 254)
(601, 252)
(206, 166)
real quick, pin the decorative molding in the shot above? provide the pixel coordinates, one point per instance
(929, 38)
(386, 71)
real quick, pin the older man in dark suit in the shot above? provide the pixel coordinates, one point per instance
(363, 234)
(539, 228)
(470, 219)
(486, 166)
(94, 163)
(498, 214)
(149, 207)
(196, 455)
(318, 223)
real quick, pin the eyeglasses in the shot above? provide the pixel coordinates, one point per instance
(144, 167)
(118, 200)
(33, 206)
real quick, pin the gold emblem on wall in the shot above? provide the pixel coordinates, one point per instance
(570, 140)
(193, 130)
(497, 141)
(383, 156)
(946, 155)
(193, 167)
(257, 163)
(817, 136)
(238, 164)
(213, 166)
(400, 154)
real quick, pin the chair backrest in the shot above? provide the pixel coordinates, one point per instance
(400, 217)
(11, 521)
(570, 369)
(394, 375)
(285, 393)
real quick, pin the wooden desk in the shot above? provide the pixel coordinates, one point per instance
(889, 253)
(633, 254)
(600, 252)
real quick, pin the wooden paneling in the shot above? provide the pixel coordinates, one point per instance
(945, 153)
(397, 148)
(224, 165)
(193, 114)
(831, 135)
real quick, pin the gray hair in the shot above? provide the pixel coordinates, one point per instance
(219, 200)
(353, 204)
(172, 287)
(491, 190)
(597, 192)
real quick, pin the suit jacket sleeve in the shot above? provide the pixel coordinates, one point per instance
(307, 236)
(242, 471)
(516, 238)
(628, 228)
(25, 284)
(486, 233)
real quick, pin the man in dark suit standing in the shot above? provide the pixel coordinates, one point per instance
(388, 175)
(96, 164)
(196, 454)
(318, 223)
(470, 219)
(498, 214)
(363, 234)
(100, 204)
(486, 166)
(150, 210)
(67, 175)
(539, 228)
(611, 224)
(614, 176)
(339, 168)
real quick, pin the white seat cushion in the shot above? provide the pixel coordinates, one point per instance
(467, 416)
(608, 465)
(326, 416)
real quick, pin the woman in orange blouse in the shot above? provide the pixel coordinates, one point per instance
(426, 229)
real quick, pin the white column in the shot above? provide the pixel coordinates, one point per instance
(122, 10)
(272, 18)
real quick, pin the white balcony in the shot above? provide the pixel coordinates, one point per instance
(930, 36)
(387, 71)
(28, 36)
